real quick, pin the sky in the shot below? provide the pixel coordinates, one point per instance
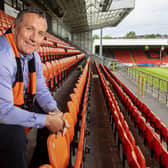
(148, 17)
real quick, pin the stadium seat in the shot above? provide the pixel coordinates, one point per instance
(72, 109)
(79, 159)
(46, 166)
(156, 147)
(157, 124)
(140, 157)
(148, 136)
(164, 158)
(164, 133)
(130, 137)
(76, 101)
(57, 151)
(134, 161)
(70, 131)
(141, 126)
(128, 147)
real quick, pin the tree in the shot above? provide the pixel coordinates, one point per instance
(152, 35)
(131, 34)
(107, 37)
(96, 36)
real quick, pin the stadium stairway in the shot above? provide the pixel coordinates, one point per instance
(101, 141)
(133, 58)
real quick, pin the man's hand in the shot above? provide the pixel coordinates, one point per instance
(56, 123)
(56, 112)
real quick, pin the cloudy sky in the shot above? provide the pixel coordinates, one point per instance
(148, 16)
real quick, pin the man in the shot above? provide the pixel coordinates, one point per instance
(21, 83)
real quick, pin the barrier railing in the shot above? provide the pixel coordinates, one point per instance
(157, 86)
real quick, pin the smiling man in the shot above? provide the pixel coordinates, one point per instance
(21, 84)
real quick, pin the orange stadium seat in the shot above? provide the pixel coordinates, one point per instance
(72, 109)
(58, 151)
(76, 102)
(46, 166)
(79, 159)
(70, 131)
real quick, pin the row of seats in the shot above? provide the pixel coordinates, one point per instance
(139, 56)
(56, 71)
(150, 137)
(123, 56)
(5, 21)
(59, 146)
(150, 117)
(59, 43)
(81, 143)
(131, 152)
(52, 53)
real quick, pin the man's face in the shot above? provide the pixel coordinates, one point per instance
(29, 33)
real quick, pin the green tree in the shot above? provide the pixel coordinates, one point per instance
(152, 35)
(131, 34)
(96, 36)
(107, 37)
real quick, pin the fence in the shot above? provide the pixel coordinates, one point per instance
(158, 87)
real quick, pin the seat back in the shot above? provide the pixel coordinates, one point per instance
(148, 136)
(134, 160)
(140, 157)
(156, 147)
(57, 151)
(164, 133)
(70, 131)
(72, 109)
(46, 166)
(164, 158)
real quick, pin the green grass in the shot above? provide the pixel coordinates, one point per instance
(154, 76)
(158, 72)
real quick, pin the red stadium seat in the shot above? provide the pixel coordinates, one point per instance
(157, 124)
(140, 157)
(156, 147)
(128, 147)
(164, 133)
(134, 161)
(164, 158)
(148, 136)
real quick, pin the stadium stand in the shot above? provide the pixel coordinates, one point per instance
(140, 56)
(150, 136)
(59, 59)
(123, 56)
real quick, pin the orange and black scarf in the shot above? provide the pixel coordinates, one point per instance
(19, 98)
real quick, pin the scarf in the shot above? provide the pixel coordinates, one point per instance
(19, 99)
